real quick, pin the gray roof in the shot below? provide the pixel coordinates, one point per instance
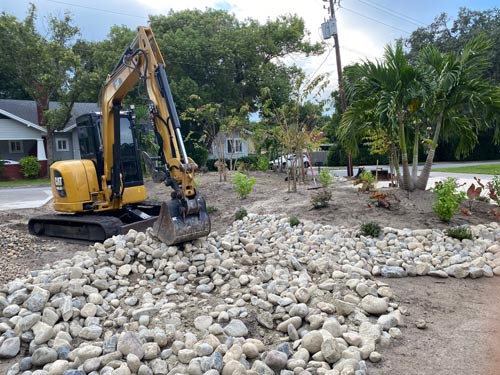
(26, 109)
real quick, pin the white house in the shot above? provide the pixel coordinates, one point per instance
(235, 145)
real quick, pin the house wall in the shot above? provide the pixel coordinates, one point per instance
(63, 155)
(224, 138)
(29, 149)
(13, 130)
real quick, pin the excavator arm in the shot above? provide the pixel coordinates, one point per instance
(142, 61)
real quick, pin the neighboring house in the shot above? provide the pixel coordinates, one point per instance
(21, 135)
(236, 145)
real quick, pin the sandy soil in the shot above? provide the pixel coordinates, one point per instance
(463, 324)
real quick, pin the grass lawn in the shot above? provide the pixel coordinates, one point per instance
(493, 169)
(18, 183)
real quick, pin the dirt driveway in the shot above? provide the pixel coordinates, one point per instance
(462, 316)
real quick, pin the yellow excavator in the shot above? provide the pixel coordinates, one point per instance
(103, 194)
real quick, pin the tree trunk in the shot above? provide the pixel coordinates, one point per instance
(426, 171)
(407, 181)
(293, 179)
(414, 171)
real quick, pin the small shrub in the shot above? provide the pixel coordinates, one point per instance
(494, 189)
(325, 178)
(262, 163)
(372, 228)
(459, 233)
(366, 180)
(321, 199)
(384, 200)
(242, 184)
(211, 209)
(30, 167)
(474, 194)
(294, 221)
(240, 214)
(448, 198)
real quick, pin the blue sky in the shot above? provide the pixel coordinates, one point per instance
(364, 26)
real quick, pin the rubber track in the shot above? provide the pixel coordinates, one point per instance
(96, 228)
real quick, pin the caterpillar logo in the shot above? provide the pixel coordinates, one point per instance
(59, 184)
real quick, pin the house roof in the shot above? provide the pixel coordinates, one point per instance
(24, 111)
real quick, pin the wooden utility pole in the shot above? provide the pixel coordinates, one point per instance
(343, 103)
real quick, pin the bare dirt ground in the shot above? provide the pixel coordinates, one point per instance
(463, 321)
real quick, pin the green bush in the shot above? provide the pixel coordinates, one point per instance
(30, 167)
(249, 163)
(294, 221)
(459, 233)
(325, 178)
(367, 181)
(321, 199)
(263, 163)
(372, 228)
(447, 198)
(242, 184)
(240, 214)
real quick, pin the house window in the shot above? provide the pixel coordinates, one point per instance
(62, 144)
(234, 146)
(16, 147)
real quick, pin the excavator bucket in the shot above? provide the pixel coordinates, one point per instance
(173, 227)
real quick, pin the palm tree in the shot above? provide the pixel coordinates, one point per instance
(460, 98)
(383, 94)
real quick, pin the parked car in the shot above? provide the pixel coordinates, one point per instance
(8, 162)
(285, 161)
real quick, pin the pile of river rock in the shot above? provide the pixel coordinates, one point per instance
(264, 298)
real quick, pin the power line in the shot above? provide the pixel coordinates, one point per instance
(374, 19)
(393, 13)
(97, 9)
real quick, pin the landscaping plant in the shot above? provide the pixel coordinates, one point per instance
(262, 163)
(474, 193)
(321, 199)
(447, 199)
(494, 194)
(372, 228)
(384, 200)
(294, 221)
(459, 233)
(30, 166)
(367, 181)
(242, 184)
(325, 178)
(240, 214)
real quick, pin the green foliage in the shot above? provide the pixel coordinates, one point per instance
(263, 163)
(459, 233)
(211, 209)
(240, 214)
(294, 221)
(242, 184)
(30, 167)
(372, 228)
(366, 180)
(448, 198)
(325, 178)
(321, 199)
